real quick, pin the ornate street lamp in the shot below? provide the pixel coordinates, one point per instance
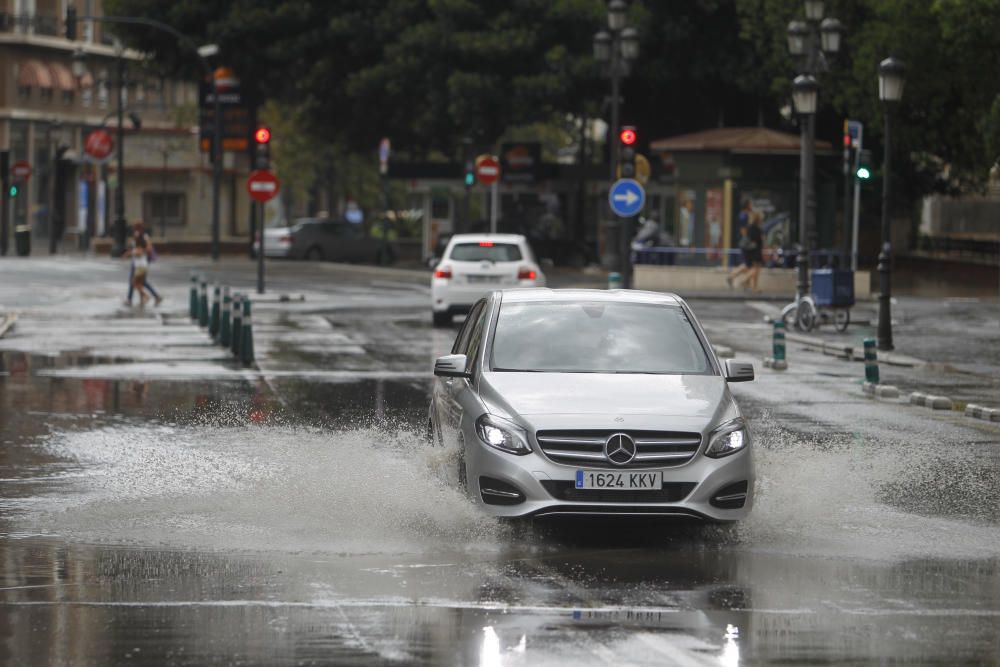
(890, 92)
(810, 41)
(616, 47)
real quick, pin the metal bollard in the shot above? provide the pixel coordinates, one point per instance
(871, 361)
(203, 305)
(246, 347)
(213, 323)
(224, 326)
(234, 344)
(193, 302)
(778, 341)
(614, 280)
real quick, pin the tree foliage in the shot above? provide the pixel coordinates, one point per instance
(428, 73)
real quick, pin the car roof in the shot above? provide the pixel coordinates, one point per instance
(476, 238)
(542, 294)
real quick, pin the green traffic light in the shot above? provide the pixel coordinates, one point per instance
(863, 173)
(470, 179)
(13, 191)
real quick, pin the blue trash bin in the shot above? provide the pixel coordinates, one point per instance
(833, 288)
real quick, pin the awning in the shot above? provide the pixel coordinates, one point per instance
(33, 74)
(87, 80)
(62, 77)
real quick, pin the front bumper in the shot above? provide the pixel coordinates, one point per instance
(703, 488)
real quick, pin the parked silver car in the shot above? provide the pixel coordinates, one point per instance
(323, 239)
(593, 402)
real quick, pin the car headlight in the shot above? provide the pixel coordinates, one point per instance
(502, 434)
(727, 439)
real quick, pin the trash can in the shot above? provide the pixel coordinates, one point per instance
(22, 240)
(833, 288)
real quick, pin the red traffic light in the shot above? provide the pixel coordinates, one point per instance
(627, 136)
(262, 135)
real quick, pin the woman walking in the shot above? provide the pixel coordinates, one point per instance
(139, 234)
(140, 267)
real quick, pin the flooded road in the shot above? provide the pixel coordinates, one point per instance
(154, 513)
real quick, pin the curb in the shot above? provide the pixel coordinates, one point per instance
(931, 401)
(880, 390)
(850, 352)
(7, 324)
(982, 412)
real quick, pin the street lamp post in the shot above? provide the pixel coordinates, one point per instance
(118, 247)
(890, 91)
(811, 41)
(617, 47)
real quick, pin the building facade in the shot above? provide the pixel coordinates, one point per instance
(54, 91)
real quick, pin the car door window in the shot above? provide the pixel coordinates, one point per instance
(475, 341)
(462, 341)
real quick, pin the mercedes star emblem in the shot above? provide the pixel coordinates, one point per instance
(619, 449)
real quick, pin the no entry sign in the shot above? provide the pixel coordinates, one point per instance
(99, 144)
(262, 185)
(21, 170)
(487, 169)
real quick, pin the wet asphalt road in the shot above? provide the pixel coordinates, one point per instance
(161, 505)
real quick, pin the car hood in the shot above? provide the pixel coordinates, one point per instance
(597, 400)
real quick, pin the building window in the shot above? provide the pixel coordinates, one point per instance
(87, 96)
(45, 94)
(24, 92)
(67, 97)
(160, 208)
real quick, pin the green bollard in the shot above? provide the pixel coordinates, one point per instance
(224, 326)
(778, 341)
(246, 331)
(203, 305)
(193, 303)
(213, 323)
(614, 280)
(871, 361)
(234, 345)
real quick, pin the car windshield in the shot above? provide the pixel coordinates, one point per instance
(485, 251)
(596, 337)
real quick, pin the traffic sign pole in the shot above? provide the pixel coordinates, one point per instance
(494, 206)
(262, 186)
(260, 249)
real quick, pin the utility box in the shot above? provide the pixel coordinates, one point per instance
(833, 288)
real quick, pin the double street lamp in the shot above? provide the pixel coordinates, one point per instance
(890, 92)
(616, 47)
(811, 41)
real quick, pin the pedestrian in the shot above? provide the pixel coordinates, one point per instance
(751, 247)
(138, 232)
(755, 249)
(140, 267)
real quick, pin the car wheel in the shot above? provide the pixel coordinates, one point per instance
(315, 254)
(442, 319)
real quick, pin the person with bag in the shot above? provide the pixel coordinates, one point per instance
(139, 234)
(140, 269)
(751, 246)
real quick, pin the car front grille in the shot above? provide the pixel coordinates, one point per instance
(671, 492)
(654, 449)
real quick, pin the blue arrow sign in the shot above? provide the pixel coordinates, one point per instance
(627, 197)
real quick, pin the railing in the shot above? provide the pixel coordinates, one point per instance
(38, 24)
(713, 257)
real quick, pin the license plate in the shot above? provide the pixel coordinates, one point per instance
(483, 279)
(619, 481)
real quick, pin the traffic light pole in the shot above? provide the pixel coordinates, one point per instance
(4, 202)
(217, 171)
(857, 199)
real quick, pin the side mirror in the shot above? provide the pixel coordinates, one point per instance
(453, 366)
(738, 371)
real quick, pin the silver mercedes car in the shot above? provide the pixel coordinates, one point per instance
(593, 402)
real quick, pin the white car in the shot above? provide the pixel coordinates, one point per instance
(474, 265)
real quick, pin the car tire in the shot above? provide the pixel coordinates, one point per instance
(315, 254)
(442, 319)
